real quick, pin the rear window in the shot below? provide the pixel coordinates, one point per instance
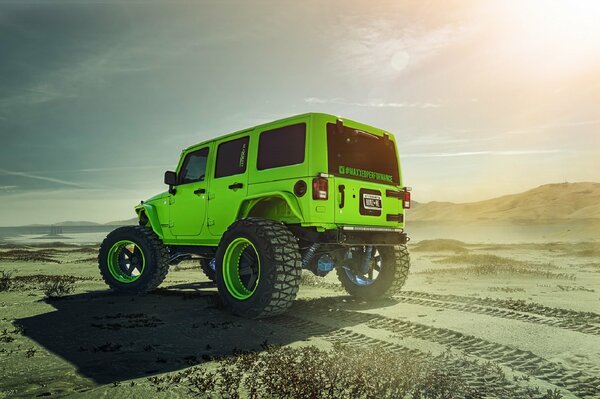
(281, 147)
(360, 155)
(231, 157)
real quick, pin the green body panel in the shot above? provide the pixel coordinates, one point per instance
(223, 202)
(279, 205)
(349, 215)
(187, 210)
(187, 218)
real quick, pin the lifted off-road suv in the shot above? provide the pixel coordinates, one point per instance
(257, 206)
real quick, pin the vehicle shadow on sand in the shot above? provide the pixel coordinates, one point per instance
(110, 337)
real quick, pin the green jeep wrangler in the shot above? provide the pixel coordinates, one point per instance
(257, 206)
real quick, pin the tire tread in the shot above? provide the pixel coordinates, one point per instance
(284, 254)
(160, 255)
(401, 264)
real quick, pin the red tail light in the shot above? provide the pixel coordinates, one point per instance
(320, 188)
(406, 197)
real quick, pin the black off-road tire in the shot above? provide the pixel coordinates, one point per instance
(396, 263)
(280, 268)
(155, 253)
(208, 272)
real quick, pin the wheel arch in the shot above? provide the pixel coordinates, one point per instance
(149, 212)
(278, 205)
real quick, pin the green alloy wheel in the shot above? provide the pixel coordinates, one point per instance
(241, 268)
(133, 259)
(258, 268)
(126, 261)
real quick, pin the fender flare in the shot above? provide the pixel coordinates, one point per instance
(288, 198)
(152, 215)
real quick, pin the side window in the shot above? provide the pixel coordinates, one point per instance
(281, 147)
(194, 167)
(231, 157)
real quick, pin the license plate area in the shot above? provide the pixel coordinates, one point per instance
(370, 202)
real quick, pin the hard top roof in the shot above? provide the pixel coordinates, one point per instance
(358, 124)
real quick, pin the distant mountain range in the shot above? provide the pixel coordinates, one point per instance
(84, 223)
(572, 201)
(77, 223)
(128, 222)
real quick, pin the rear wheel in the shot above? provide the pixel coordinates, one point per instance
(258, 268)
(133, 259)
(374, 272)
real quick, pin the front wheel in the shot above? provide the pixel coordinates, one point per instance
(374, 272)
(258, 268)
(133, 259)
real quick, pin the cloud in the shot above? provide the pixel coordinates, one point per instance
(75, 75)
(478, 153)
(106, 169)
(43, 178)
(551, 126)
(371, 103)
(435, 139)
(380, 48)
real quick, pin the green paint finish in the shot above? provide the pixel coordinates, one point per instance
(126, 261)
(241, 268)
(198, 213)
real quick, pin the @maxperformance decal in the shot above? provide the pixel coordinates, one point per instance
(347, 170)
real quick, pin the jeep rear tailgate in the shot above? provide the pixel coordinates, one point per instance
(366, 177)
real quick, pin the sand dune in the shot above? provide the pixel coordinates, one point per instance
(575, 201)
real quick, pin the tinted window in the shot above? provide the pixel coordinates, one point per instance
(360, 155)
(231, 157)
(281, 147)
(194, 167)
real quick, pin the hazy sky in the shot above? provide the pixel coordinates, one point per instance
(98, 99)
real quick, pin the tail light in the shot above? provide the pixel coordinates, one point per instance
(406, 197)
(320, 188)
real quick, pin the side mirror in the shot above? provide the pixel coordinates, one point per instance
(171, 178)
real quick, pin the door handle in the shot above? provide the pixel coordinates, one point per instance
(200, 191)
(341, 187)
(235, 186)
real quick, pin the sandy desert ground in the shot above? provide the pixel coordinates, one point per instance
(485, 320)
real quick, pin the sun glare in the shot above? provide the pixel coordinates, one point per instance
(555, 36)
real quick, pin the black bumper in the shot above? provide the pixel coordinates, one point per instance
(363, 237)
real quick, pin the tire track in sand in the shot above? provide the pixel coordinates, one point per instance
(576, 381)
(489, 307)
(511, 304)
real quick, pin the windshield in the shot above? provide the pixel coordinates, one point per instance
(360, 155)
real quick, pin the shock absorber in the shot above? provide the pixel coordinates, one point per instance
(310, 254)
(366, 260)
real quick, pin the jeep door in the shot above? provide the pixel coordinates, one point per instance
(188, 203)
(229, 183)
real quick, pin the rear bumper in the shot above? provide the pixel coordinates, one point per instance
(352, 235)
(364, 236)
